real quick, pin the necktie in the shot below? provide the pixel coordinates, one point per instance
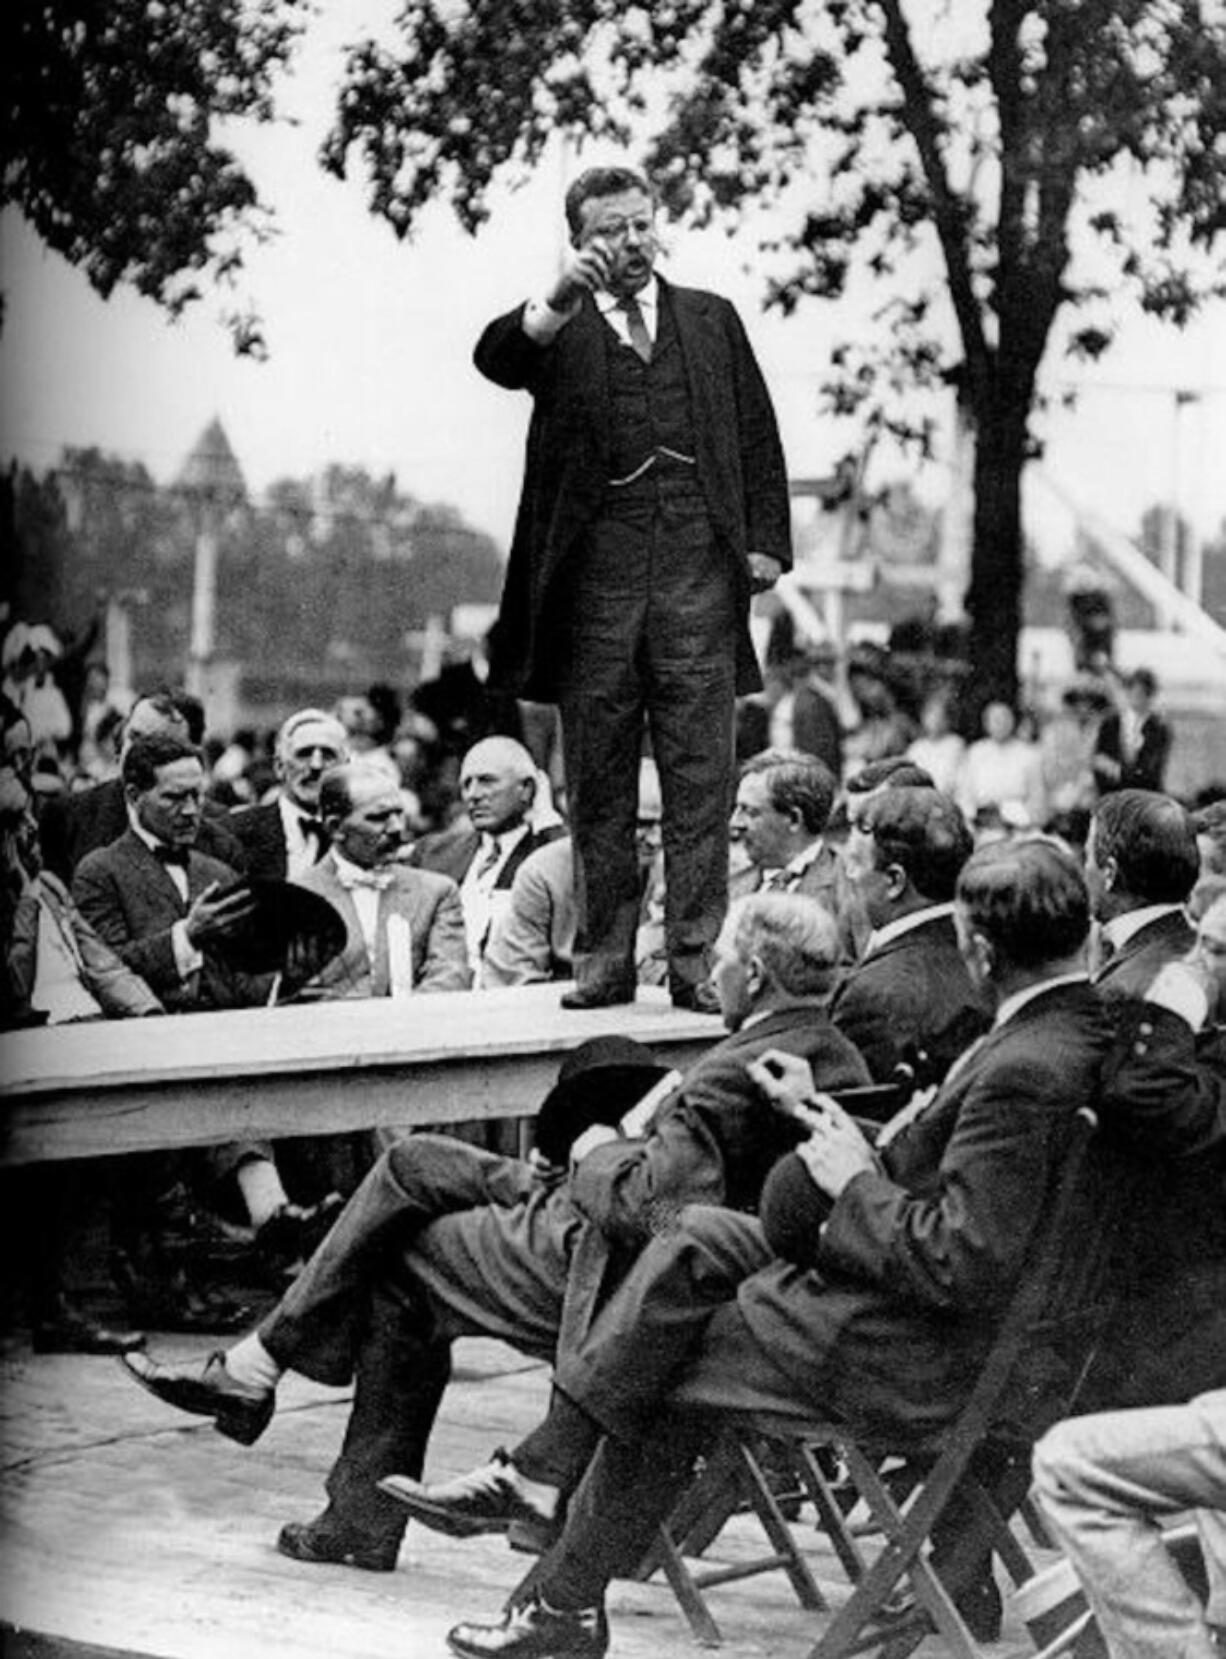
(488, 860)
(313, 829)
(639, 337)
(171, 855)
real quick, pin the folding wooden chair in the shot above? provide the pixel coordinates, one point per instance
(1033, 1374)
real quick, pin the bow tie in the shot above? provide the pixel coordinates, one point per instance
(315, 827)
(171, 855)
(380, 880)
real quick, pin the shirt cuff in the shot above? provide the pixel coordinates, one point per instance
(542, 323)
(1179, 990)
(188, 960)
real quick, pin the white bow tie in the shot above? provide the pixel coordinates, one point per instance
(380, 880)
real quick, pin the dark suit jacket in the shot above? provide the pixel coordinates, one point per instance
(713, 1142)
(449, 852)
(1164, 1095)
(1147, 768)
(916, 1264)
(132, 903)
(910, 992)
(816, 728)
(740, 468)
(1130, 972)
(73, 825)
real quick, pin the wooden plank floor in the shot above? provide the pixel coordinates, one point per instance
(130, 1527)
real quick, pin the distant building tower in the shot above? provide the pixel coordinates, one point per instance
(212, 482)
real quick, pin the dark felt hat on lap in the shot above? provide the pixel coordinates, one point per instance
(598, 1082)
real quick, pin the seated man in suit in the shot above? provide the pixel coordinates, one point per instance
(285, 837)
(911, 990)
(498, 782)
(902, 1263)
(783, 802)
(392, 1286)
(78, 823)
(533, 939)
(1142, 864)
(55, 970)
(405, 928)
(161, 905)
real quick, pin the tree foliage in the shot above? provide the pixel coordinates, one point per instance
(995, 168)
(111, 145)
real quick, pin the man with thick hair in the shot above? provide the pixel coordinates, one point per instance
(783, 803)
(910, 991)
(903, 1261)
(1142, 863)
(654, 503)
(398, 1280)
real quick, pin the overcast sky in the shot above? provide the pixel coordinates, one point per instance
(371, 345)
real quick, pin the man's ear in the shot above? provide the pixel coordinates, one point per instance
(1109, 870)
(897, 878)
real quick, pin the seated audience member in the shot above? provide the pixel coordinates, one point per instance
(1107, 1484)
(1134, 743)
(1002, 770)
(55, 971)
(405, 928)
(285, 837)
(939, 749)
(894, 772)
(482, 852)
(1141, 864)
(783, 802)
(501, 1264)
(75, 824)
(898, 1266)
(161, 905)
(910, 990)
(533, 938)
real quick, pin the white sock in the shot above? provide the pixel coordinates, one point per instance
(250, 1363)
(260, 1185)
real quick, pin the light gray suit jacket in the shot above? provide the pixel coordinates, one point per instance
(429, 903)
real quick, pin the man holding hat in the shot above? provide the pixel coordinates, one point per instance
(443, 1239)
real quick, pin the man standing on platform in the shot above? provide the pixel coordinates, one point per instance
(654, 504)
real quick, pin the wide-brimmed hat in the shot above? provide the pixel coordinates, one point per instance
(598, 1082)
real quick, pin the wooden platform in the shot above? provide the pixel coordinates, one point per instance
(128, 1527)
(189, 1079)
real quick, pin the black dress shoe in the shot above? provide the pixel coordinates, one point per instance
(326, 1543)
(66, 1330)
(239, 1412)
(598, 996)
(696, 999)
(535, 1631)
(486, 1500)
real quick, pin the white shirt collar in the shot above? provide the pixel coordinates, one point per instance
(1120, 929)
(1014, 1004)
(905, 924)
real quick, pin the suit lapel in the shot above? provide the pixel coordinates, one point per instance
(149, 870)
(355, 959)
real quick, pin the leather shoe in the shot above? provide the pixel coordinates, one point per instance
(597, 996)
(696, 999)
(294, 1231)
(325, 1543)
(239, 1412)
(535, 1631)
(66, 1330)
(486, 1500)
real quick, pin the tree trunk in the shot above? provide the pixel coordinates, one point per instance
(994, 598)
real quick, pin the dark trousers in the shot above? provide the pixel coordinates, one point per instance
(650, 645)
